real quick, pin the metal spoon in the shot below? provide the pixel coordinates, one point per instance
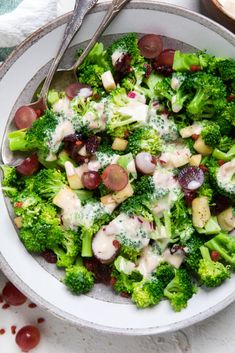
(80, 10)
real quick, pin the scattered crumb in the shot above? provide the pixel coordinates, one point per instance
(2, 331)
(13, 329)
(32, 305)
(41, 320)
(5, 306)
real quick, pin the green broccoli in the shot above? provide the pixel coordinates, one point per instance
(144, 186)
(78, 279)
(38, 137)
(226, 69)
(134, 206)
(223, 178)
(125, 275)
(211, 273)
(211, 134)
(145, 139)
(10, 181)
(186, 61)
(69, 249)
(193, 253)
(127, 44)
(224, 244)
(180, 290)
(48, 183)
(225, 156)
(148, 292)
(209, 97)
(164, 273)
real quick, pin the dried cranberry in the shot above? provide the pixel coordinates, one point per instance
(113, 281)
(92, 144)
(189, 196)
(215, 255)
(195, 136)
(162, 69)
(71, 140)
(74, 154)
(220, 204)
(231, 98)
(177, 248)
(221, 162)
(49, 256)
(148, 70)
(125, 295)
(101, 271)
(195, 68)
(123, 64)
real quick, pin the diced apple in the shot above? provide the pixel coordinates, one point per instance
(65, 197)
(73, 178)
(195, 160)
(124, 194)
(18, 222)
(202, 148)
(119, 144)
(200, 211)
(180, 160)
(108, 81)
(188, 131)
(109, 202)
(226, 219)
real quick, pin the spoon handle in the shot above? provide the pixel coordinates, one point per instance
(80, 9)
(112, 12)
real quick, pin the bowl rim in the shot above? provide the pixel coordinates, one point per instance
(5, 266)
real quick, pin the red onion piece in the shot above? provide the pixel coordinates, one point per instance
(191, 178)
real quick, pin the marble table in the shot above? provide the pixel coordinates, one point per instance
(212, 335)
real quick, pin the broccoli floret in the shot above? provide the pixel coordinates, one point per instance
(48, 182)
(223, 178)
(211, 273)
(147, 293)
(226, 69)
(209, 98)
(180, 290)
(125, 275)
(150, 82)
(38, 137)
(9, 181)
(144, 186)
(129, 251)
(227, 116)
(226, 143)
(193, 254)
(91, 75)
(134, 206)
(164, 273)
(185, 61)
(225, 156)
(70, 247)
(206, 190)
(211, 134)
(127, 44)
(78, 279)
(122, 115)
(224, 244)
(163, 89)
(145, 139)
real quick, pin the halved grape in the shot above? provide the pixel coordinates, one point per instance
(191, 178)
(150, 46)
(29, 166)
(91, 180)
(115, 177)
(24, 117)
(145, 163)
(78, 89)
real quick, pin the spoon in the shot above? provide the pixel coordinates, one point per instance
(31, 111)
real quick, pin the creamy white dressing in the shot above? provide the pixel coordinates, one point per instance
(148, 261)
(175, 259)
(226, 172)
(116, 56)
(135, 110)
(125, 266)
(89, 213)
(94, 166)
(63, 129)
(102, 246)
(85, 92)
(165, 126)
(176, 155)
(63, 106)
(194, 185)
(95, 119)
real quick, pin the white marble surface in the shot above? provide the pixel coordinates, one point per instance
(212, 335)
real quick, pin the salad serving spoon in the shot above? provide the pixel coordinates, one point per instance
(28, 113)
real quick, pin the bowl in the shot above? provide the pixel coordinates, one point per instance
(20, 76)
(223, 11)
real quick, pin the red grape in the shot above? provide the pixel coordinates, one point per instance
(27, 338)
(166, 57)
(24, 117)
(12, 295)
(150, 46)
(91, 180)
(74, 89)
(191, 178)
(29, 165)
(115, 177)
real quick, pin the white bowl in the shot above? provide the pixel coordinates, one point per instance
(20, 75)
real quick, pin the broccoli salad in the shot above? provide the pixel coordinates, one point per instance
(130, 173)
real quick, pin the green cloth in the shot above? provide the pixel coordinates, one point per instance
(5, 7)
